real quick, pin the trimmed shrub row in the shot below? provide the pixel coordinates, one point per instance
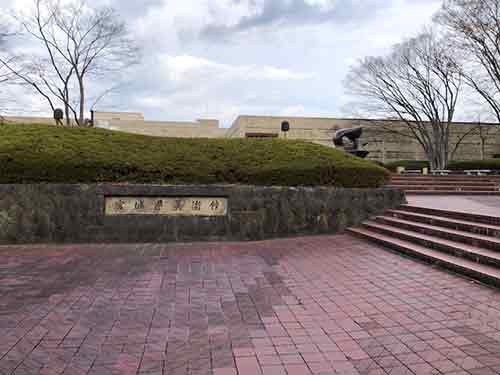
(493, 164)
(40, 153)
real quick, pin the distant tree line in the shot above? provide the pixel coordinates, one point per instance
(423, 79)
(70, 45)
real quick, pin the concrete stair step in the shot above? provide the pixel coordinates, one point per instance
(442, 183)
(457, 187)
(472, 253)
(449, 192)
(458, 215)
(462, 225)
(456, 235)
(446, 178)
(484, 273)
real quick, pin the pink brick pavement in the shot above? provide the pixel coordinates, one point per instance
(315, 305)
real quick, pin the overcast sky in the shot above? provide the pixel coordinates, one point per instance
(221, 58)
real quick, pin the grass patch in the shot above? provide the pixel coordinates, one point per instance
(41, 153)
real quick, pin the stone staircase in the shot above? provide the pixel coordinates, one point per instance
(447, 185)
(463, 242)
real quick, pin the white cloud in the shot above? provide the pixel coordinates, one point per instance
(184, 68)
(298, 110)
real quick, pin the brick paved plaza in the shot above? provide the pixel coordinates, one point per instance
(316, 305)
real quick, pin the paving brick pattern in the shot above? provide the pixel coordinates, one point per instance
(316, 305)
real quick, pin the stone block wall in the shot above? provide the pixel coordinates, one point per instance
(53, 213)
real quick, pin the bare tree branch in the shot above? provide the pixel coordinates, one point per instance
(78, 43)
(5, 74)
(418, 84)
(474, 29)
(96, 42)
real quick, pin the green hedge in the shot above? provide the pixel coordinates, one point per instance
(39, 153)
(408, 164)
(453, 165)
(474, 164)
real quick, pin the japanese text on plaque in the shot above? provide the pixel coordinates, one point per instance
(192, 206)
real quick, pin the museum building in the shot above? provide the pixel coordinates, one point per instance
(386, 140)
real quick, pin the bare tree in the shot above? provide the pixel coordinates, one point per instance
(79, 44)
(474, 27)
(39, 76)
(98, 43)
(418, 84)
(5, 75)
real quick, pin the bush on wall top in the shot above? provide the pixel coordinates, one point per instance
(493, 164)
(40, 153)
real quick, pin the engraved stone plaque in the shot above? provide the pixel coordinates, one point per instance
(168, 206)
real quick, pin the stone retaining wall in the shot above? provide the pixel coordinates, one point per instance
(55, 213)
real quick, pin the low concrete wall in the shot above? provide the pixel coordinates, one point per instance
(76, 213)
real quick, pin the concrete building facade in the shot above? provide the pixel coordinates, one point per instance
(135, 123)
(386, 140)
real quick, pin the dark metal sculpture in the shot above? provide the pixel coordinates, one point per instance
(285, 126)
(58, 116)
(353, 134)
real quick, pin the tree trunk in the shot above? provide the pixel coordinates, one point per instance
(438, 156)
(445, 151)
(66, 107)
(438, 162)
(66, 115)
(443, 161)
(81, 119)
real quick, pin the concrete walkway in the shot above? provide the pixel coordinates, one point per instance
(485, 205)
(317, 305)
